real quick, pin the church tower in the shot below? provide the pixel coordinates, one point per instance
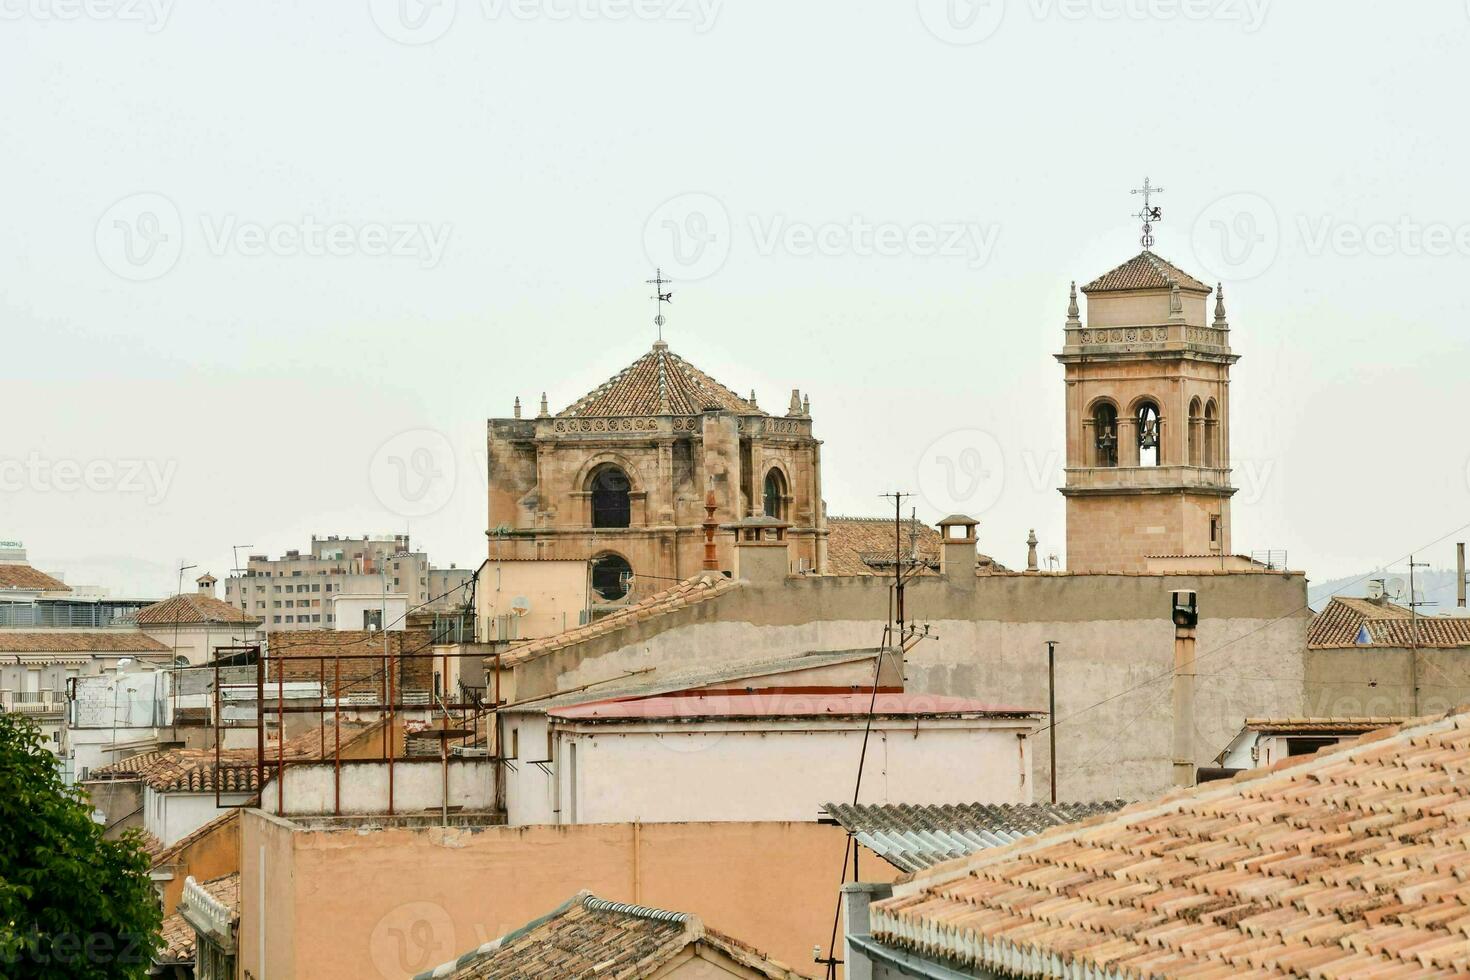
(1148, 420)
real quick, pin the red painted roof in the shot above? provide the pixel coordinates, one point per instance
(786, 704)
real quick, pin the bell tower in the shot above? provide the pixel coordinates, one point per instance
(1148, 419)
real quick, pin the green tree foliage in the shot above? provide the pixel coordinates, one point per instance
(72, 904)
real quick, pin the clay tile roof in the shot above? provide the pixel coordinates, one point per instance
(96, 641)
(184, 770)
(864, 546)
(194, 609)
(591, 937)
(912, 837)
(1144, 271)
(178, 935)
(1339, 623)
(691, 591)
(1352, 862)
(658, 383)
(25, 577)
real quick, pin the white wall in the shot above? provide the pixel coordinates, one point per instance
(310, 789)
(347, 611)
(171, 816)
(700, 771)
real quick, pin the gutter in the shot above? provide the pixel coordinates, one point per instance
(910, 965)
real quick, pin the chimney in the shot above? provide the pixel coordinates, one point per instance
(205, 583)
(762, 553)
(1032, 565)
(957, 550)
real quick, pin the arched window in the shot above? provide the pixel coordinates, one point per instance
(610, 505)
(612, 576)
(1194, 434)
(775, 494)
(1150, 435)
(1105, 435)
(1212, 441)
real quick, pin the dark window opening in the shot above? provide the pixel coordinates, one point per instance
(611, 577)
(610, 500)
(1306, 746)
(775, 494)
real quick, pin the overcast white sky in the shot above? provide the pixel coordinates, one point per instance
(245, 246)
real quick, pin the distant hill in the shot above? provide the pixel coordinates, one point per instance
(1436, 585)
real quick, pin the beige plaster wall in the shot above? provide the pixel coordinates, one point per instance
(391, 903)
(1114, 656)
(1380, 681)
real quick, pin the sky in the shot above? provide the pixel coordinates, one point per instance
(266, 268)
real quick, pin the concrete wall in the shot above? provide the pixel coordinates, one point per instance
(1114, 655)
(211, 854)
(311, 789)
(1379, 681)
(556, 590)
(670, 772)
(171, 816)
(389, 903)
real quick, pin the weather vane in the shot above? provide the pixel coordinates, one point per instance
(1149, 214)
(658, 282)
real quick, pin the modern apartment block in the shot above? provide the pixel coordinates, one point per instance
(295, 591)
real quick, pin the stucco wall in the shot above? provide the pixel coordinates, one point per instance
(311, 789)
(782, 771)
(1379, 681)
(390, 903)
(211, 854)
(988, 640)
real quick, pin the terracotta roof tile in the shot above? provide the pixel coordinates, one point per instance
(91, 641)
(700, 588)
(18, 576)
(1264, 874)
(1144, 271)
(658, 383)
(193, 609)
(588, 936)
(195, 770)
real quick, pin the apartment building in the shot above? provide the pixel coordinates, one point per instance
(295, 591)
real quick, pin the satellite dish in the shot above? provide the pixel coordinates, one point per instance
(1395, 587)
(520, 605)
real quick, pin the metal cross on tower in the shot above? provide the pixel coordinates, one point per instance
(658, 282)
(1149, 214)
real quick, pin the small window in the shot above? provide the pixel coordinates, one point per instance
(611, 501)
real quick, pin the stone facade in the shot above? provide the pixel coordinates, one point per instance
(623, 474)
(1148, 419)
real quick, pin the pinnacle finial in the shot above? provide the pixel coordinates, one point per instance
(518, 406)
(752, 399)
(1176, 304)
(545, 410)
(1220, 320)
(1032, 564)
(795, 407)
(806, 405)
(1074, 314)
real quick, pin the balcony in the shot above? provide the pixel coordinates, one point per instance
(32, 702)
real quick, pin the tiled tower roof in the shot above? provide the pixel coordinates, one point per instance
(1144, 271)
(658, 383)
